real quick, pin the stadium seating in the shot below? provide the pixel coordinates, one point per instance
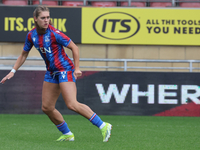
(136, 4)
(159, 3)
(15, 2)
(189, 3)
(72, 3)
(104, 4)
(44, 2)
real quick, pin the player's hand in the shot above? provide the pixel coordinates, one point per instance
(9, 76)
(77, 73)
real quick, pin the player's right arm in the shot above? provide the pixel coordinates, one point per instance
(21, 59)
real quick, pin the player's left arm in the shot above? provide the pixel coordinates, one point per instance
(75, 53)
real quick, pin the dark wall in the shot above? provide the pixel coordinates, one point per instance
(110, 93)
(16, 21)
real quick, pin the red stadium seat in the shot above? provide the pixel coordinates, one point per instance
(72, 3)
(15, 2)
(189, 3)
(165, 3)
(192, 5)
(44, 2)
(104, 4)
(136, 4)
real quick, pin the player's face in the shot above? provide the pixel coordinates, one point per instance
(43, 19)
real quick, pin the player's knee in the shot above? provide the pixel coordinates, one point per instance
(47, 109)
(72, 106)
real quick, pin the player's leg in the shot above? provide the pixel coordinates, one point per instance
(50, 94)
(69, 92)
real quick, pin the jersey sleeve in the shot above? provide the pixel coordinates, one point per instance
(62, 38)
(28, 43)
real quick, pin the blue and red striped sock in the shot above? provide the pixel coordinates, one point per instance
(96, 120)
(63, 128)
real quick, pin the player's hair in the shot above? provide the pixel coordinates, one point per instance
(36, 13)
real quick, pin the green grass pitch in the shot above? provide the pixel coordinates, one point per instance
(36, 132)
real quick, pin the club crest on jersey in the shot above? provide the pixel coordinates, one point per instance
(47, 39)
(44, 50)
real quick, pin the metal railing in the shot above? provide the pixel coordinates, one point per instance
(125, 65)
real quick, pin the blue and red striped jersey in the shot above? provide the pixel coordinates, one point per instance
(50, 46)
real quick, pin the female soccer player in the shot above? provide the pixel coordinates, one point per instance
(60, 76)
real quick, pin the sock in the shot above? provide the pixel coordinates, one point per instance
(103, 124)
(96, 120)
(68, 133)
(63, 128)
